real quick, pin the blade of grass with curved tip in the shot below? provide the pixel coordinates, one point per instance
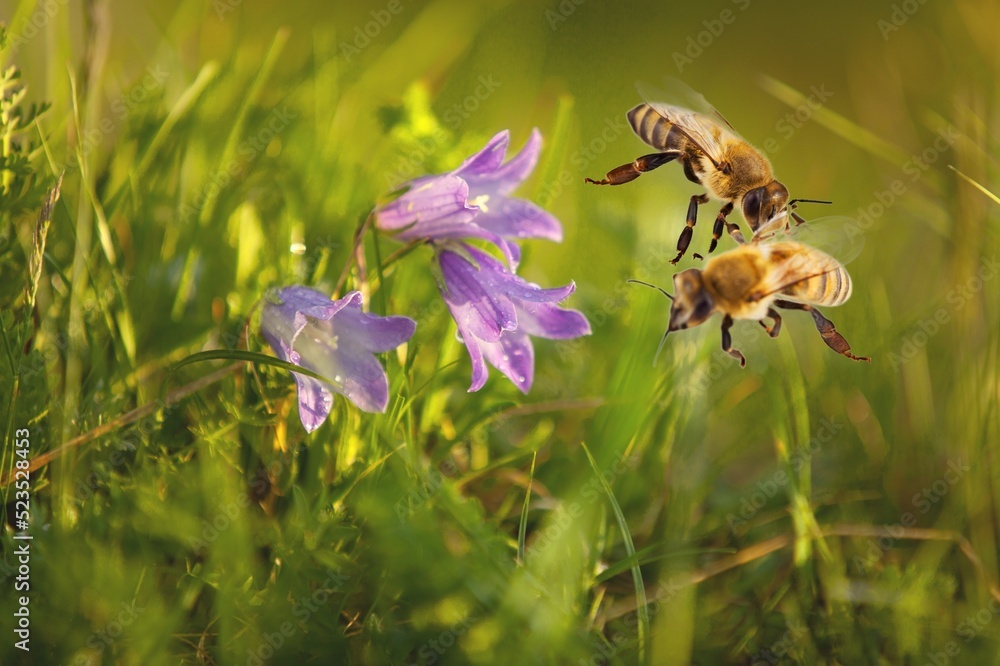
(642, 611)
(646, 556)
(836, 123)
(252, 357)
(976, 185)
(522, 528)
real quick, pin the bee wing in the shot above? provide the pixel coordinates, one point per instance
(690, 112)
(838, 236)
(793, 263)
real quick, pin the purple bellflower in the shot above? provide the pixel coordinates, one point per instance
(497, 312)
(334, 339)
(474, 201)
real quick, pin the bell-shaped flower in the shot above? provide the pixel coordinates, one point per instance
(474, 201)
(334, 339)
(497, 313)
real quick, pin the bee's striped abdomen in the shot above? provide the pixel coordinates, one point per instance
(654, 129)
(830, 288)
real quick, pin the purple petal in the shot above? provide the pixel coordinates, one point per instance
(479, 369)
(519, 167)
(315, 303)
(335, 339)
(496, 277)
(285, 311)
(514, 356)
(472, 297)
(551, 321)
(439, 205)
(375, 333)
(365, 381)
(487, 160)
(315, 397)
(315, 401)
(351, 369)
(517, 218)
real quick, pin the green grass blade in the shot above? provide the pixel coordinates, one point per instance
(640, 589)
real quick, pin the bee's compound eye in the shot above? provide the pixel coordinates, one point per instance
(751, 206)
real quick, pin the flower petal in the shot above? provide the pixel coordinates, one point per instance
(472, 297)
(487, 160)
(352, 370)
(517, 218)
(518, 168)
(479, 370)
(315, 397)
(551, 321)
(365, 381)
(497, 278)
(514, 356)
(437, 206)
(375, 333)
(335, 339)
(315, 401)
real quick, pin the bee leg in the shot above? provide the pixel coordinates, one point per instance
(629, 172)
(720, 222)
(727, 341)
(692, 219)
(831, 337)
(775, 328)
(734, 231)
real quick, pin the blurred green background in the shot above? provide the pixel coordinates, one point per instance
(806, 509)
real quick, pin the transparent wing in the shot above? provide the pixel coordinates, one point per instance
(675, 93)
(840, 237)
(690, 112)
(792, 263)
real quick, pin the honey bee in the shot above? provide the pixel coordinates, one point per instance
(713, 155)
(749, 282)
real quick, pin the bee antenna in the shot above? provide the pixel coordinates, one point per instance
(651, 286)
(793, 202)
(663, 341)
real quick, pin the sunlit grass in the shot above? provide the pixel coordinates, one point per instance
(806, 509)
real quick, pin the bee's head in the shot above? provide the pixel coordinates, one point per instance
(761, 206)
(692, 304)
